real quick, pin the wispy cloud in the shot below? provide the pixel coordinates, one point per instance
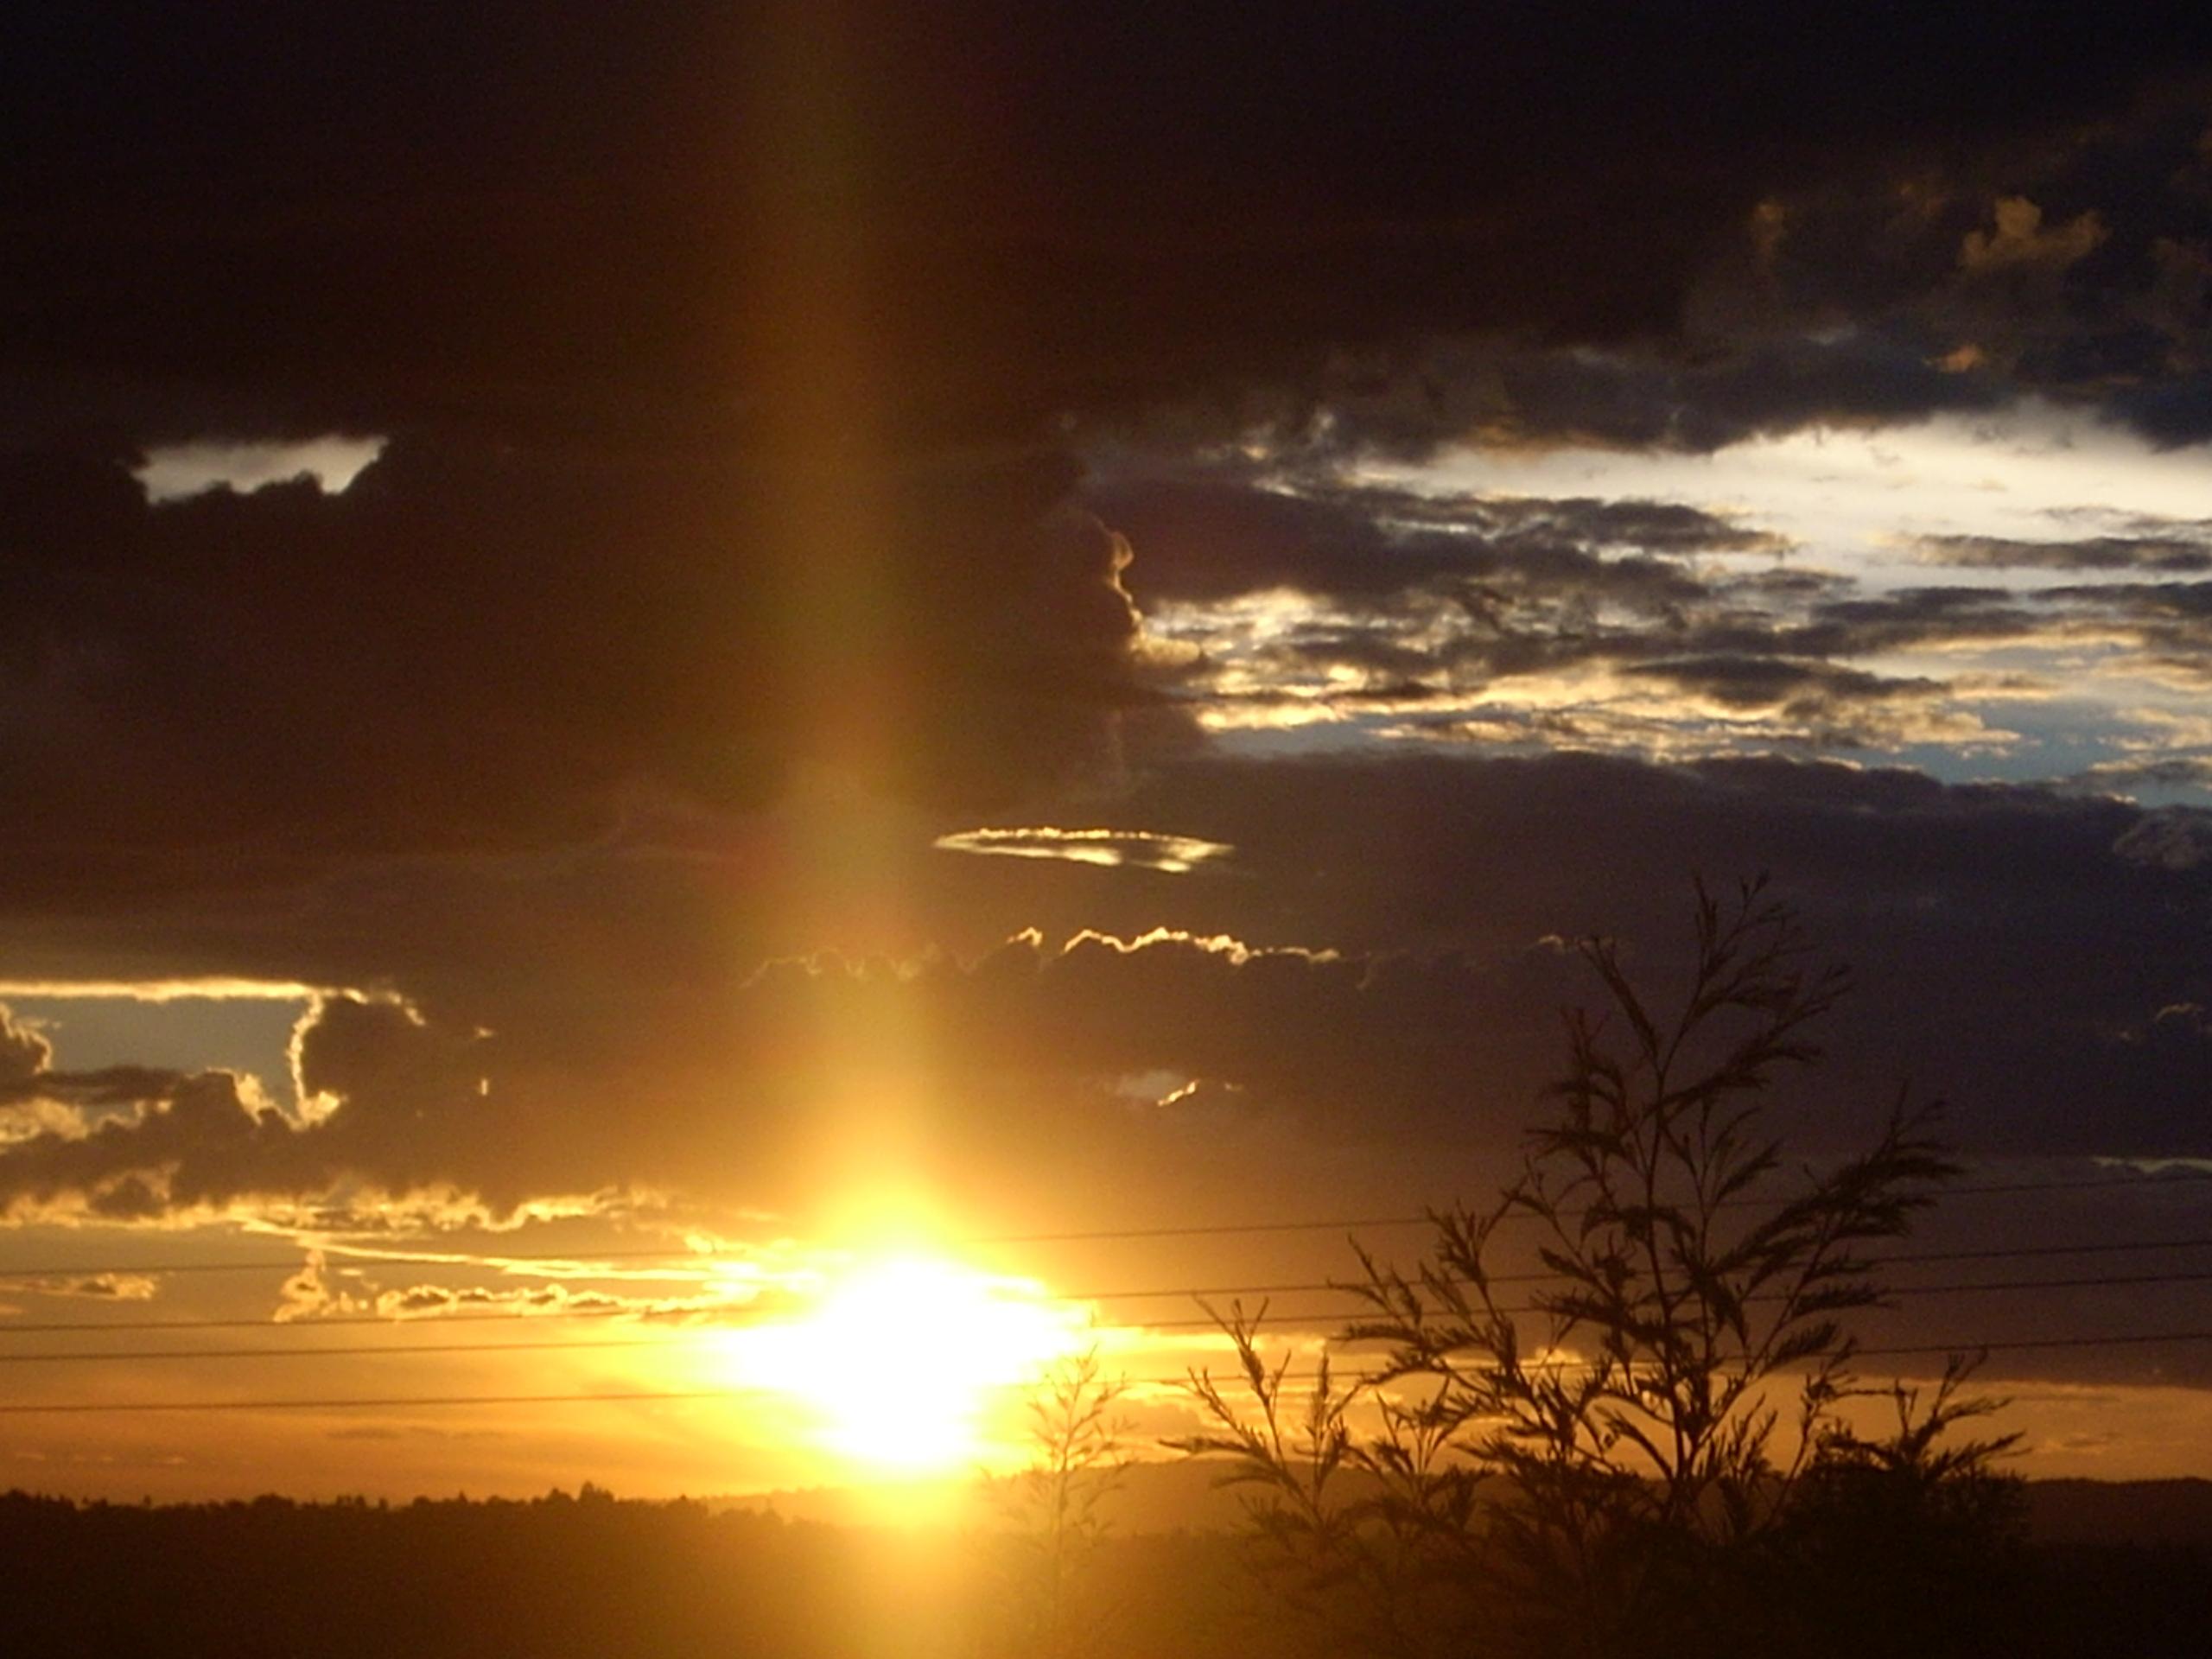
(1136, 848)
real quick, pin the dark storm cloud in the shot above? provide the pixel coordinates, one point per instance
(1655, 527)
(1287, 1026)
(2072, 262)
(184, 1149)
(1984, 925)
(24, 1053)
(401, 1095)
(1028, 1047)
(1375, 551)
(709, 343)
(27, 1076)
(1983, 922)
(1750, 382)
(1415, 591)
(2067, 259)
(2183, 772)
(1752, 681)
(475, 646)
(1819, 704)
(2169, 838)
(111, 1088)
(1914, 617)
(547, 218)
(1411, 599)
(2160, 630)
(2168, 623)
(2091, 553)
(1210, 537)
(2177, 603)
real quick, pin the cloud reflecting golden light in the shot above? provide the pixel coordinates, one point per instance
(1134, 849)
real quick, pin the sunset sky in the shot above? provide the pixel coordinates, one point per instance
(803, 703)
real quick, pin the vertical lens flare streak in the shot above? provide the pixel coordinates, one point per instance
(814, 302)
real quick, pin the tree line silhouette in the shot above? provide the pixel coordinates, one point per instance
(443, 1579)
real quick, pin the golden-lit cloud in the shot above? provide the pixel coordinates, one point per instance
(174, 470)
(2017, 237)
(1136, 848)
(162, 990)
(89, 1286)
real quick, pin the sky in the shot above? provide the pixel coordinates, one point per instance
(806, 691)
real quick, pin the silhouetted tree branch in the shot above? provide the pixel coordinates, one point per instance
(1080, 1453)
(1598, 1475)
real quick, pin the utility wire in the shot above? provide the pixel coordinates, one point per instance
(350, 1351)
(75, 1407)
(1895, 1259)
(50, 1327)
(1209, 1230)
(689, 1336)
(676, 1256)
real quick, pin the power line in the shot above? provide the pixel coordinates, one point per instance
(676, 1256)
(348, 1351)
(2024, 1251)
(690, 1335)
(724, 1310)
(1898, 1259)
(74, 1408)
(2079, 1283)
(1209, 1230)
(51, 1327)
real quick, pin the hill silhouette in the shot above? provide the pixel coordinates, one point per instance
(2115, 1569)
(1187, 1497)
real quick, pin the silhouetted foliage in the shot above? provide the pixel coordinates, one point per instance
(1081, 1452)
(1911, 1543)
(1602, 1488)
(1375, 1538)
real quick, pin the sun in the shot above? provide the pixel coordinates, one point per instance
(906, 1360)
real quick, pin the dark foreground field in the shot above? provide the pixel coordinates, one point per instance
(594, 1576)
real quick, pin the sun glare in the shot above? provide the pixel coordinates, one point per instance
(908, 1361)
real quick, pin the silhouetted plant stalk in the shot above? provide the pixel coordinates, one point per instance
(1369, 1535)
(1079, 1453)
(1587, 1492)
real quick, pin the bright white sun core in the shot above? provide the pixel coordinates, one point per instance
(911, 1363)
